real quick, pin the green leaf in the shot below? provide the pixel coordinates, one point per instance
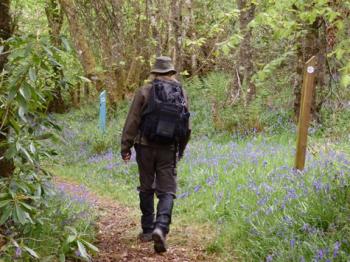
(90, 246)
(85, 79)
(66, 44)
(15, 125)
(32, 148)
(5, 215)
(38, 191)
(21, 113)
(31, 252)
(25, 91)
(345, 81)
(48, 51)
(4, 202)
(71, 238)
(3, 195)
(82, 250)
(12, 94)
(29, 158)
(21, 215)
(73, 230)
(32, 74)
(62, 258)
(25, 205)
(23, 107)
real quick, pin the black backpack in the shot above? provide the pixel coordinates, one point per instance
(166, 117)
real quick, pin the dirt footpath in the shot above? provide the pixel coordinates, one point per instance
(118, 227)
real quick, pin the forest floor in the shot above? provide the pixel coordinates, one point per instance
(118, 227)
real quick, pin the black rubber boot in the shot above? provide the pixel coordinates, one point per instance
(159, 240)
(147, 209)
(163, 220)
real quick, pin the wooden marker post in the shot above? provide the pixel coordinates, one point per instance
(305, 108)
(103, 110)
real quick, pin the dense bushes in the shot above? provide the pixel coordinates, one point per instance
(212, 100)
(26, 201)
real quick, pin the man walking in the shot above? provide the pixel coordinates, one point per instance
(157, 126)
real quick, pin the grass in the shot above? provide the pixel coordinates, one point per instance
(242, 184)
(258, 207)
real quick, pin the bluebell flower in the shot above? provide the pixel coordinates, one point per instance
(262, 201)
(292, 243)
(183, 195)
(18, 252)
(197, 188)
(336, 249)
(317, 185)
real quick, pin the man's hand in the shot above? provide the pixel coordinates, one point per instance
(126, 157)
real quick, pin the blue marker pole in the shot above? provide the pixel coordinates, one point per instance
(103, 111)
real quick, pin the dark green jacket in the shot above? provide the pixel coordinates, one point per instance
(131, 132)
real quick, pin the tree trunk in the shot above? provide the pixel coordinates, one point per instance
(54, 16)
(85, 54)
(153, 15)
(308, 47)
(245, 65)
(176, 19)
(193, 36)
(6, 166)
(321, 77)
(5, 29)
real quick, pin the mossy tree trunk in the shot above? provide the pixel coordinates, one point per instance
(54, 16)
(82, 46)
(245, 67)
(6, 166)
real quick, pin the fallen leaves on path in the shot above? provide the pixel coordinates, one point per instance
(118, 227)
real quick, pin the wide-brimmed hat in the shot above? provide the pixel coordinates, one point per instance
(163, 65)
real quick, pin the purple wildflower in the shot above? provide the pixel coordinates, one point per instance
(183, 195)
(268, 211)
(320, 254)
(197, 188)
(317, 185)
(210, 181)
(336, 249)
(18, 252)
(269, 258)
(306, 227)
(292, 243)
(291, 194)
(262, 201)
(219, 197)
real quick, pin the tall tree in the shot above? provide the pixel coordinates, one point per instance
(245, 67)
(152, 11)
(5, 30)
(83, 48)
(176, 19)
(6, 166)
(109, 58)
(312, 43)
(54, 16)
